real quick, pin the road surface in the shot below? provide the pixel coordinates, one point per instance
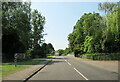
(66, 68)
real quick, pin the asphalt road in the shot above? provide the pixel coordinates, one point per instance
(66, 68)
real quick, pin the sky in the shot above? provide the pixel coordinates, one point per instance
(61, 18)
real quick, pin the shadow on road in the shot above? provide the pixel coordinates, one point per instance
(57, 58)
(40, 62)
(53, 62)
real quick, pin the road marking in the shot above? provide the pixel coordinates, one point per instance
(80, 74)
(68, 63)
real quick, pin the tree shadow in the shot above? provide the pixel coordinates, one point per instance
(38, 61)
(57, 58)
(53, 62)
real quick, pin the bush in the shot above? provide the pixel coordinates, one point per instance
(60, 51)
(77, 53)
(37, 53)
(102, 56)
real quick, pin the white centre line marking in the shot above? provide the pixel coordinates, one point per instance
(68, 63)
(80, 74)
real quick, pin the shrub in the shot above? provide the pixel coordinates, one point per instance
(102, 56)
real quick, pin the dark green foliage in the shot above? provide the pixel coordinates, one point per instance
(86, 34)
(16, 28)
(37, 52)
(52, 52)
(45, 49)
(60, 52)
(76, 53)
(38, 22)
(11, 45)
(67, 51)
(50, 49)
(42, 51)
(96, 34)
(22, 31)
(102, 56)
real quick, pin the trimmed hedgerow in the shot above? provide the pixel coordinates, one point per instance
(102, 56)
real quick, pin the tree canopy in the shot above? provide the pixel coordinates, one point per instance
(23, 30)
(96, 34)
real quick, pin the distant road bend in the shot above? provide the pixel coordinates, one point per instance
(67, 68)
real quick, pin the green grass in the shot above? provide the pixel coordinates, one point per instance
(0, 70)
(9, 68)
(50, 56)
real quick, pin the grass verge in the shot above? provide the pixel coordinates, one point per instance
(50, 56)
(9, 68)
(0, 71)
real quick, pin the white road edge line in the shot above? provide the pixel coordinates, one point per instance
(80, 74)
(68, 63)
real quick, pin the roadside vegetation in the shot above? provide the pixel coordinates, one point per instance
(62, 52)
(22, 33)
(101, 56)
(97, 37)
(50, 56)
(9, 68)
(94, 36)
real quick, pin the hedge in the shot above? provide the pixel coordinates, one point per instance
(102, 56)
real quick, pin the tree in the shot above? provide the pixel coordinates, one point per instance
(37, 52)
(16, 26)
(60, 51)
(107, 7)
(50, 48)
(44, 49)
(17, 16)
(67, 51)
(95, 34)
(111, 31)
(86, 34)
(38, 22)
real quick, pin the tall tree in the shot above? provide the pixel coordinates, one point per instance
(111, 31)
(107, 7)
(86, 34)
(94, 33)
(44, 49)
(50, 48)
(15, 24)
(38, 22)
